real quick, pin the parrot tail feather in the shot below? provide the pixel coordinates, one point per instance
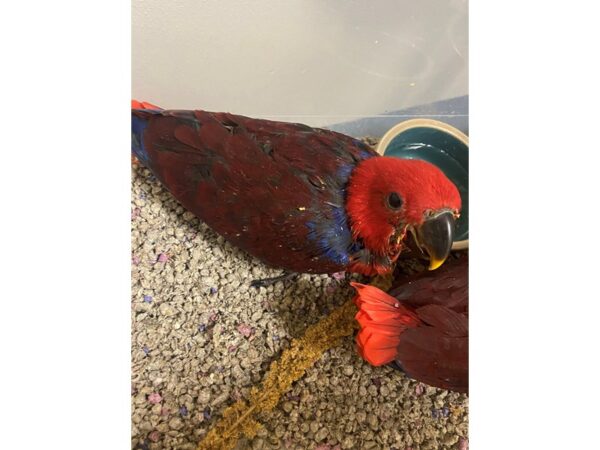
(143, 105)
(382, 320)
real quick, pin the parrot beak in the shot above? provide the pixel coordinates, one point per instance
(435, 236)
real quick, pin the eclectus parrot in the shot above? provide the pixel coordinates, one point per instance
(303, 199)
(421, 326)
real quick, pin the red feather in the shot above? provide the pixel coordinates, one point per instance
(143, 105)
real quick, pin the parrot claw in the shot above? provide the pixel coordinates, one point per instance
(266, 282)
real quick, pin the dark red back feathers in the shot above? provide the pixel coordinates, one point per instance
(274, 189)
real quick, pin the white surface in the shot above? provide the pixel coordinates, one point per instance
(315, 61)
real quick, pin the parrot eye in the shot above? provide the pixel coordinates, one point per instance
(394, 201)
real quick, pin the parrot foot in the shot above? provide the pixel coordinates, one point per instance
(266, 282)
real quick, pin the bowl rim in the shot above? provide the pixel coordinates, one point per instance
(420, 123)
(425, 123)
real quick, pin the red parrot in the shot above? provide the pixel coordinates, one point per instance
(421, 326)
(303, 199)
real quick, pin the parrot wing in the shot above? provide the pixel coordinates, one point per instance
(274, 189)
(434, 357)
(422, 329)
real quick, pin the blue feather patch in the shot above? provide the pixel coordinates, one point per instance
(366, 155)
(344, 171)
(332, 235)
(138, 126)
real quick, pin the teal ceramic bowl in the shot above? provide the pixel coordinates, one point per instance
(439, 144)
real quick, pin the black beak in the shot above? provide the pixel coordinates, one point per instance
(435, 236)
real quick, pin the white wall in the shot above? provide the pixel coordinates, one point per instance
(315, 61)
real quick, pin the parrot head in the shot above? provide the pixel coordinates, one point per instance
(391, 200)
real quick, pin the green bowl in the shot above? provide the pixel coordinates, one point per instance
(439, 144)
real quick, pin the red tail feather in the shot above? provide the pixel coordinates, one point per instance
(143, 105)
(382, 319)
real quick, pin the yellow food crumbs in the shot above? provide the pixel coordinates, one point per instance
(300, 356)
